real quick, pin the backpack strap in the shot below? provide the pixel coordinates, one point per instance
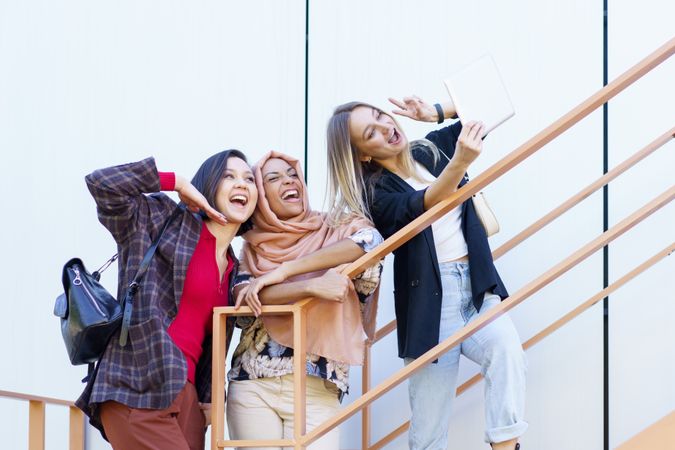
(127, 304)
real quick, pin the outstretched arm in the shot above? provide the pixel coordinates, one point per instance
(469, 146)
(331, 286)
(120, 200)
(344, 251)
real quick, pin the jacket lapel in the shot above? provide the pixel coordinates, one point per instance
(188, 236)
(402, 186)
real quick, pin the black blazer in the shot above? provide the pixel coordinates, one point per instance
(393, 204)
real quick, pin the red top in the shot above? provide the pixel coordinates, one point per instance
(203, 290)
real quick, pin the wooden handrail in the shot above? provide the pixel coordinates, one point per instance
(422, 222)
(564, 207)
(385, 330)
(549, 330)
(35, 398)
(512, 159)
(585, 192)
(510, 244)
(36, 419)
(491, 315)
(658, 436)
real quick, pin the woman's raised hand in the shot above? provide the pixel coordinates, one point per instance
(195, 201)
(469, 143)
(415, 108)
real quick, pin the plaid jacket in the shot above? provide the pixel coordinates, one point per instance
(150, 370)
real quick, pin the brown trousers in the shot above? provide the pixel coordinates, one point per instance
(181, 426)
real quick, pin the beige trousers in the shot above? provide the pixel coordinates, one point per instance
(263, 409)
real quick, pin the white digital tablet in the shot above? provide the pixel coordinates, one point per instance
(478, 93)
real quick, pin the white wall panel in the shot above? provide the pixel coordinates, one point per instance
(89, 84)
(84, 85)
(642, 356)
(550, 55)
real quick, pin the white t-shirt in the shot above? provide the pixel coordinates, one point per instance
(448, 236)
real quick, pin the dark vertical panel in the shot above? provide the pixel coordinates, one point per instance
(306, 83)
(605, 226)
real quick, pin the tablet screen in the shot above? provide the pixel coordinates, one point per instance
(478, 93)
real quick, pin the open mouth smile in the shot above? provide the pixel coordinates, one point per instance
(290, 195)
(395, 137)
(239, 200)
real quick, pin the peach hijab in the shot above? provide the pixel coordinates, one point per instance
(335, 330)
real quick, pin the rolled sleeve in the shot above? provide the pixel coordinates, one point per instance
(366, 283)
(241, 279)
(367, 238)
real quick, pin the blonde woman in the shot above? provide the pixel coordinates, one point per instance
(444, 277)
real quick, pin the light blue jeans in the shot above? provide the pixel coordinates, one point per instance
(498, 351)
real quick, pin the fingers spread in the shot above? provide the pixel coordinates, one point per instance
(403, 112)
(396, 102)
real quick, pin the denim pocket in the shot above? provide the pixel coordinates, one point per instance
(490, 300)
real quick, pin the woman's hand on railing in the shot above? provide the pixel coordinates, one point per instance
(250, 293)
(332, 286)
(241, 298)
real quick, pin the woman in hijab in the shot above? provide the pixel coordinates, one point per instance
(293, 246)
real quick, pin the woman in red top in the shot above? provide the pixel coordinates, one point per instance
(150, 393)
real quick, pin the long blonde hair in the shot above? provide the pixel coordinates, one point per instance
(347, 186)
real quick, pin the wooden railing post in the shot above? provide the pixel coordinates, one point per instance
(36, 425)
(218, 379)
(365, 387)
(299, 375)
(76, 436)
(220, 317)
(36, 419)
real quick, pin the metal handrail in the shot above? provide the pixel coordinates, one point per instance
(301, 439)
(36, 419)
